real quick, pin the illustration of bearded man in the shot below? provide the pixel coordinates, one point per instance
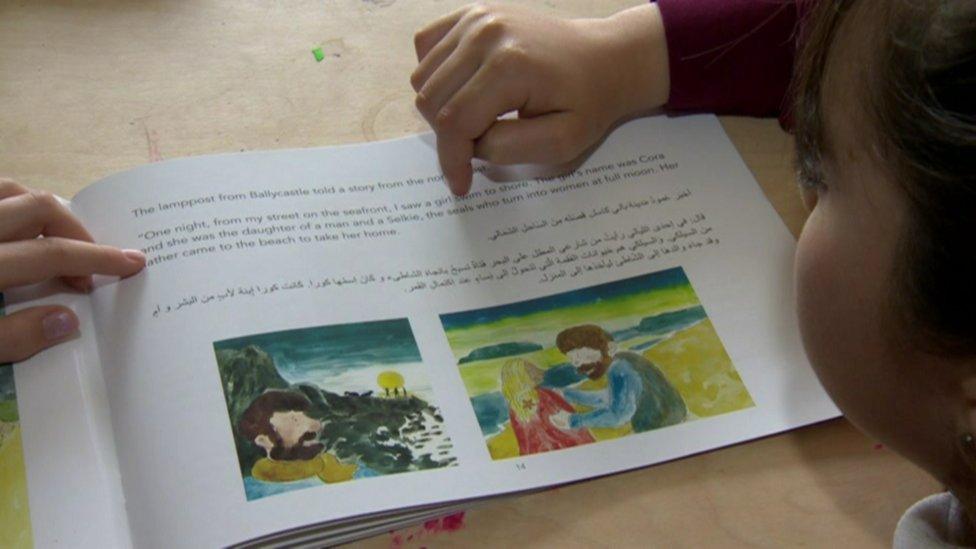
(636, 390)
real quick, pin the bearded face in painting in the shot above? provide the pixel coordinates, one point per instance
(590, 349)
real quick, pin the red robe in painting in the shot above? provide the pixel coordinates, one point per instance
(539, 434)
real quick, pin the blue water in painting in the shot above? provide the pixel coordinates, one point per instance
(645, 345)
(337, 348)
(255, 488)
(491, 409)
(366, 472)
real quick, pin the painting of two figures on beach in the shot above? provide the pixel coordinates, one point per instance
(592, 364)
(329, 404)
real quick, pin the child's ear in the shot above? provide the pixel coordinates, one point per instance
(612, 348)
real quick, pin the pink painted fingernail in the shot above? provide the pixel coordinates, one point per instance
(59, 325)
(134, 255)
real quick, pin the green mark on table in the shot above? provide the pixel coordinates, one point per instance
(319, 55)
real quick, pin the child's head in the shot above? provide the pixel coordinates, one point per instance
(886, 141)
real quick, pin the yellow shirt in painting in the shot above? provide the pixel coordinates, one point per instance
(325, 466)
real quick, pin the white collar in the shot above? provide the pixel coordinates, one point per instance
(936, 521)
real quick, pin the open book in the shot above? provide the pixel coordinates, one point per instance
(327, 344)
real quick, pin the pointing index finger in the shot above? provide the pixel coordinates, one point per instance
(455, 153)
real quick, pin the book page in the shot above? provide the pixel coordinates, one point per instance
(327, 333)
(15, 525)
(59, 475)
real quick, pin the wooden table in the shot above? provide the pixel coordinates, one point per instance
(95, 87)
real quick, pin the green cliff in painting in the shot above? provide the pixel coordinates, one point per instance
(500, 350)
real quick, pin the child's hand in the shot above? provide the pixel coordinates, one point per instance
(66, 250)
(569, 80)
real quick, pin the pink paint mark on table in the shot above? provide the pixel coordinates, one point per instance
(453, 523)
(450, 523)
(152, 142)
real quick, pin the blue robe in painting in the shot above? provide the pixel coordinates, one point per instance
(636, 391)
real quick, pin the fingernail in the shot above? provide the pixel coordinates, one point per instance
(59, 325)
(134, 255)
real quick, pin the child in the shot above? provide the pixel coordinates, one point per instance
(884, 103)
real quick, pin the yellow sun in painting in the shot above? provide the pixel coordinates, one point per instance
(392, 383)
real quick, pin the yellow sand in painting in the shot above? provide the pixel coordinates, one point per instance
(504, 444)
(695, 362)
(607, 433)
(15, 529)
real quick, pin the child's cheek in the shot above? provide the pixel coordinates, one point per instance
(840, 286)
(811, 254)
(823, 308)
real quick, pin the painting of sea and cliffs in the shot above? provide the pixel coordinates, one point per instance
(593, 364)
(320, 405)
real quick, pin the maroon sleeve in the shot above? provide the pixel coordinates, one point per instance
(730, 56)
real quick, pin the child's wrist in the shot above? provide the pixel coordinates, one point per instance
(636, 60)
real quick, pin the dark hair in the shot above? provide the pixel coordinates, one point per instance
(587, 335)
(919, 98)
(256, 419)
